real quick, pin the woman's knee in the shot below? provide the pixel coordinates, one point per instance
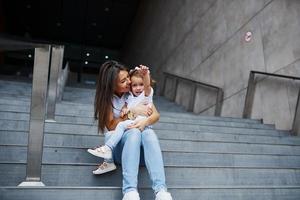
(133, 136)
(149, 136)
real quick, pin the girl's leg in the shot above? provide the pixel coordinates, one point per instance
(105, 151)
(107, 137)
(153, 160)
(108, 164)
(127, 152)
(117, 134)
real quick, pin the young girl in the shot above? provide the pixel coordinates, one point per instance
(141, 93)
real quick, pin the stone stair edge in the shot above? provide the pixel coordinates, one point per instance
(161, 123)
(185, 113)
(164, 151)
(165, 166)
(163, 120)
(179, 139)
(171, 187)
(183, 140)
(29, 84)
(170, 114)
(169, 151)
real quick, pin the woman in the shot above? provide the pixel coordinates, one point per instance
(112, 89)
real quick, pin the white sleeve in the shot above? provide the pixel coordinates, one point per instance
(150, 96)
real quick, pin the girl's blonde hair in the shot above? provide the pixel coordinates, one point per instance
(138, 73)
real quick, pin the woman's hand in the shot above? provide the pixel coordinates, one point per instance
(141, 124)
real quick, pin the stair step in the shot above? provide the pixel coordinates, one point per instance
(79, 156)
(179, 193)
(80, 175)
(205, 157)
(17, 137)
(92, 129)
(8, 86)
(181, 145)
(176, 122)
(64, 107)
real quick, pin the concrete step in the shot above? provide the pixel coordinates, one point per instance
(17, 137)
(25, 86)
(12, 88)
(163, 119)
(92, 129)
(60, 140)
(178, 193)
(89, 109)
(81, 175)
(79, 156)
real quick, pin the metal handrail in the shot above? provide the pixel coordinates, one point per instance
(39, 94)
(219, 98)
(250, 98)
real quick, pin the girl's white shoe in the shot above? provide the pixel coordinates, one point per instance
(104, 168)
(102, 151)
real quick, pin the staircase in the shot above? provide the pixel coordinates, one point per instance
(205, 157)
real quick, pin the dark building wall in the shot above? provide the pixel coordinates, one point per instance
(205, 41)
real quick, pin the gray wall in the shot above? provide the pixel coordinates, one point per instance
(204, 41)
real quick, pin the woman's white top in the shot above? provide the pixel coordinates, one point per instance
(118, 103)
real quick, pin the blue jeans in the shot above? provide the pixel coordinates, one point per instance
(127, 152)
(115, 138)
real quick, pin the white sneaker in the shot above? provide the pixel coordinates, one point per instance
(163, 195)
(105, 167)
(132, 195)
(103, 152)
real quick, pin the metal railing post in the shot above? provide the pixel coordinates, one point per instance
(249, 96)
(162, 92)
(56, 65)
(192, 99)
(296, 122)
(175, 89)
(62, 81)
(37, 117)
(218, 109)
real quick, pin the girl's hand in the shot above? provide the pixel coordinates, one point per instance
(144, 69)
(141, 124)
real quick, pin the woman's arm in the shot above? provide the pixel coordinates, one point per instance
(141, 124)
(113, 122)
(154, 117)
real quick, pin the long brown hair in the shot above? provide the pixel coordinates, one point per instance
(106, 85)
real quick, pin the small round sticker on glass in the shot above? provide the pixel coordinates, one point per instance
(248, 36)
